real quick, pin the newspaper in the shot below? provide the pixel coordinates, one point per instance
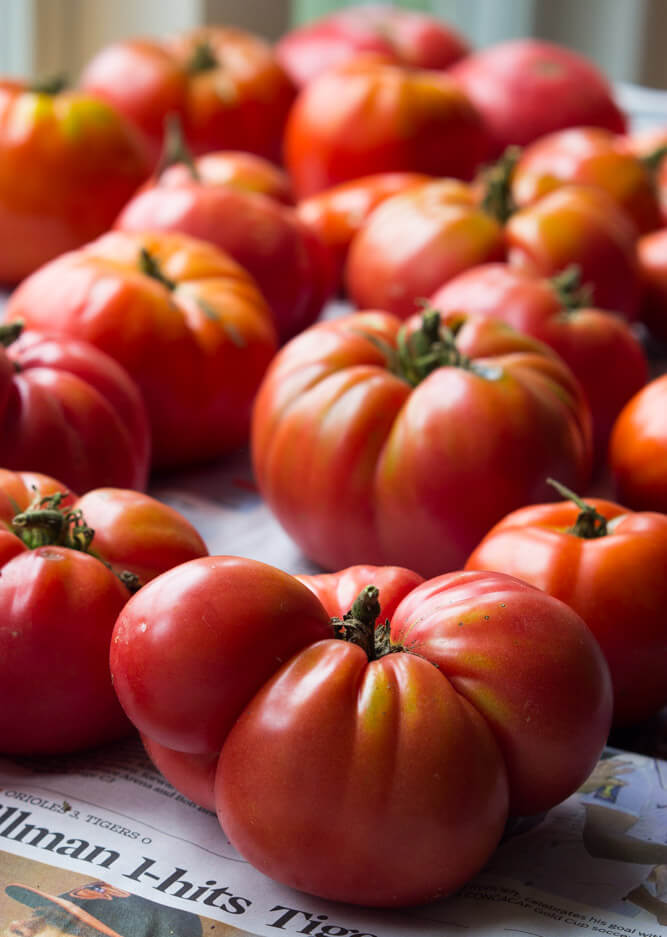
(102, 839)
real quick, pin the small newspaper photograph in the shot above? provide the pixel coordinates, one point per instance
(100, 843)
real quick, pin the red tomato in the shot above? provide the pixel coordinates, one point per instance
(651, 147)
(526, 88)
(353, 770)
(638, 449)
(69, 410)
(600, 348)
(652, 259)
(381, 445)
(608, 564)
(68, 163)
(183, 318)
(265, 237)
(588, 156)
(406, 37)
(225, 85)
(370, 116)
(415, 241)
(62, 587)
(580, 225)
(337, 214)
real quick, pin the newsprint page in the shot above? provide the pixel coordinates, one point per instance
(101, 844)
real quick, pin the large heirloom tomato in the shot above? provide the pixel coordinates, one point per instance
(69, 410)
(382, 444)
(417, 240)
(638, 449)
(370, 116)
(588, 156)
(284, 257)
(600, 347)
(224, 84)
(68, 163)
(62, 586)
(406, 37)
(526, 88)
(376, 765)
(608, 564)
(184, 319)
(580, 225)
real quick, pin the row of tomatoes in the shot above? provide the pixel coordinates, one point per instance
(362, 735)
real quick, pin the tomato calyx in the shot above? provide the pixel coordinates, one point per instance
(46, 522)
(203, 59)
(571, 293)
(590, 524)
(653, 159)
(149, 265)
(358, 626)
(430, 347)
(497, 200)
(175, 150)
(52, 85)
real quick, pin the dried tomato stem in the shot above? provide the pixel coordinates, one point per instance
(590, 524)
(358, 626)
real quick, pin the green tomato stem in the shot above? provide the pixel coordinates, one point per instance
(590, 524)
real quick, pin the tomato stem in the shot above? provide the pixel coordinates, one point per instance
(590, 524)
(52, 85)
(358, 626)
(430, 347)
(567, 285)
(150, 265)
(9, 332)
(497, 200)
(653, 159)
(203, 59)
(175, 149)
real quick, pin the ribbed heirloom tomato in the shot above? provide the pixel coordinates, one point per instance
(608, 563)
(382, 444)
(68, 163)
(68, 566)
(360, 760)
(187, 323)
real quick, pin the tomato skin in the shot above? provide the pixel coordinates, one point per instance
(338, 213)
(449, 233)
(200, 664)
(580, 225)
(337, 591)
(358, 466)
(381, 816)
(588, 156)
(652, 259)
(239, 102)
(526, 88)
(406, 37)
(241, 171)
(600, 348)
(615, 582)
(71, 411)
(265, 237)
(638, 449)
(197, 351)
(191, 774)
(59, 606)
(370, 116)
(68, 162)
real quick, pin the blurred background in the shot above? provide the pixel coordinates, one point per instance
(625, 37)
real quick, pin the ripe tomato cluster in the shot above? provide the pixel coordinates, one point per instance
(481, 619)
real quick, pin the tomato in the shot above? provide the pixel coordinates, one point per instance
(638, 449)
(415, 241)
(580, 225)
(526, 88)
(225, 85)
(68, 162)
(405, 37)
(650, 146)
(652, 260)
(265, 237)
(370, 116)
(338, 213)
(588, 156)
(67, 409)
(235, 169)
(184, 319)
(372, 443)
(600, 347)
(330, 778)
(608, 564)
(62, 587)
